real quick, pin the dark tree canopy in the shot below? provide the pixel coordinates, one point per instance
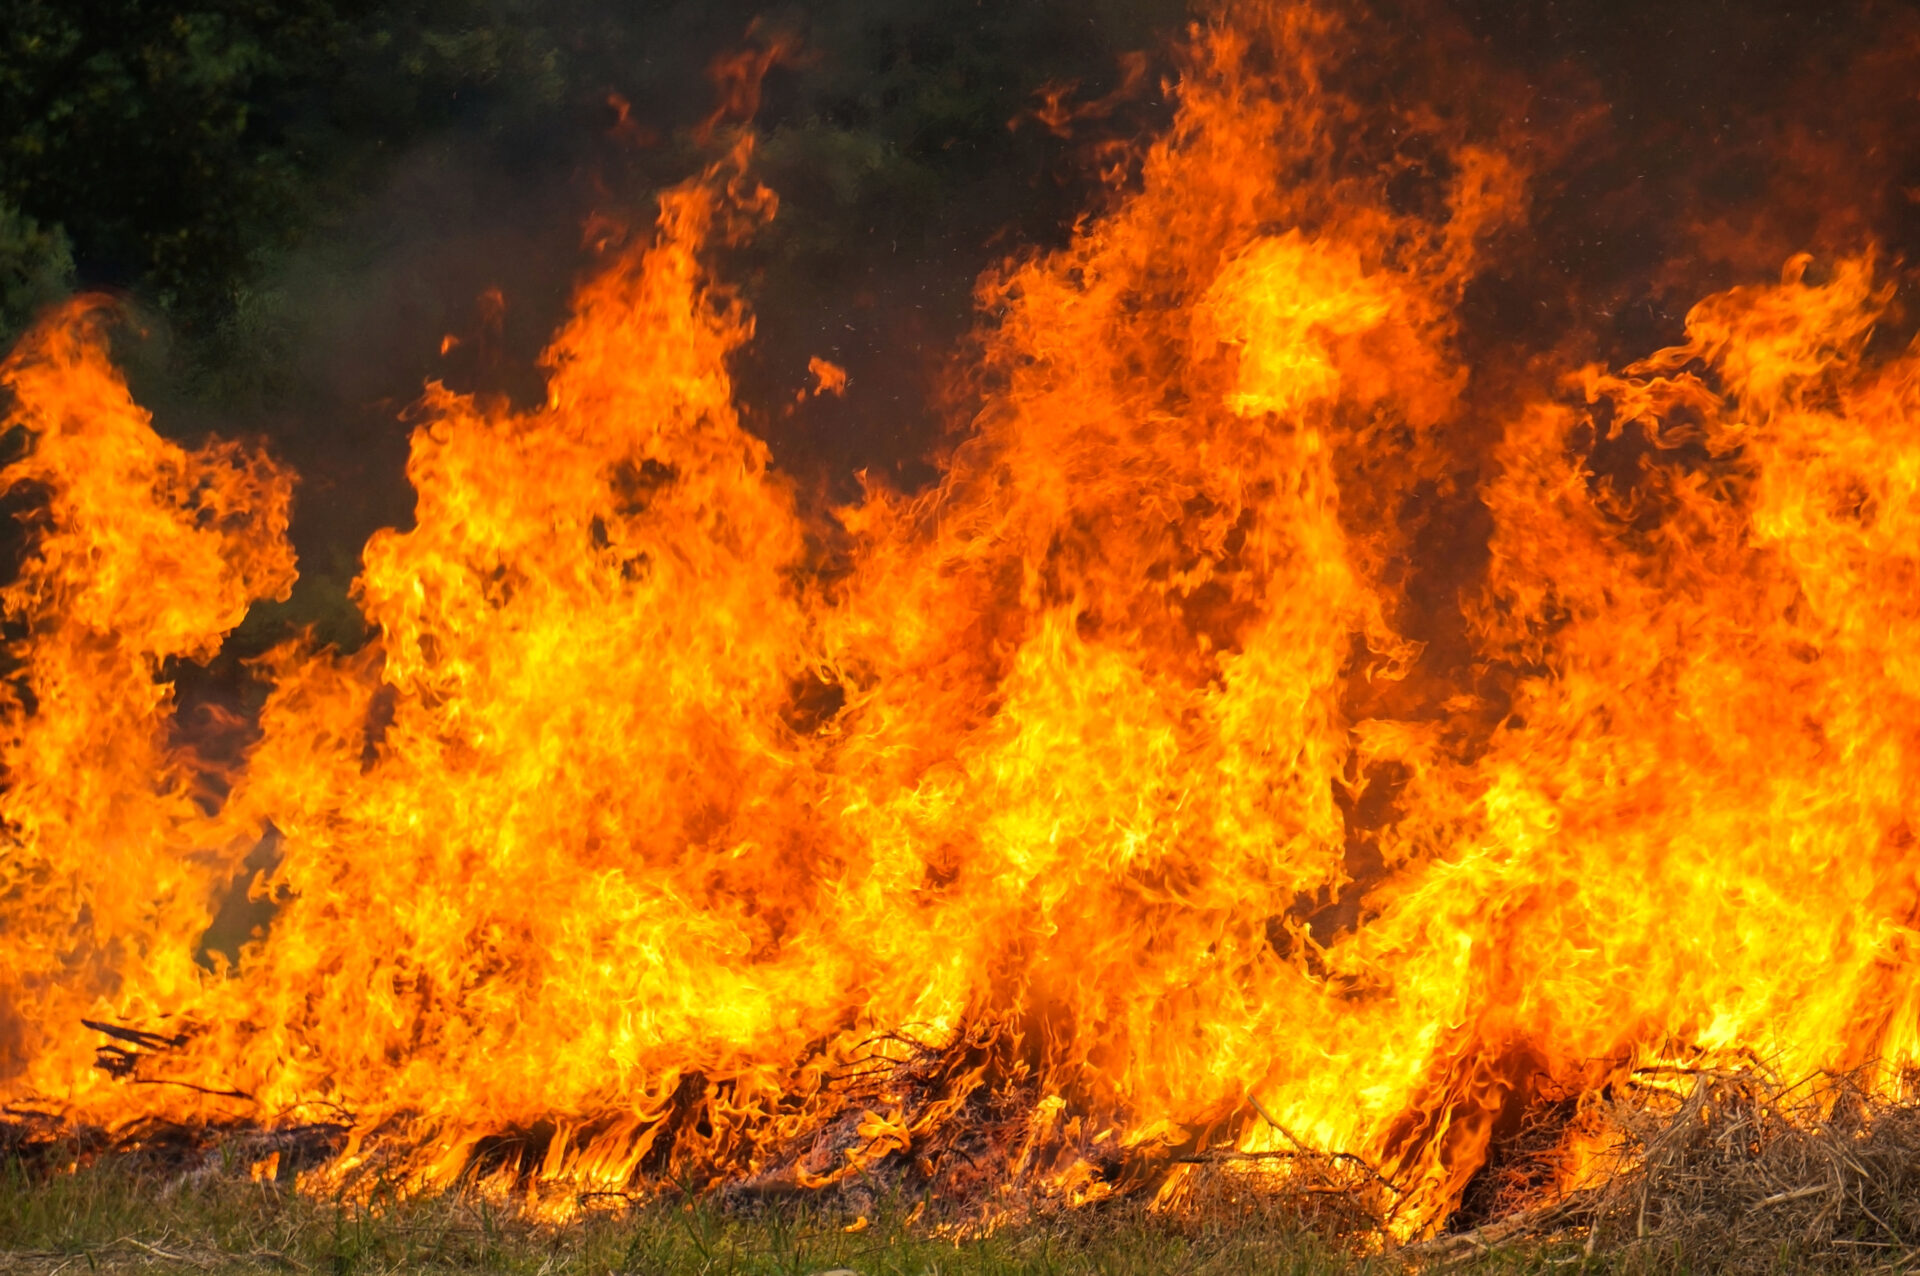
(303, 196)
(180, 148)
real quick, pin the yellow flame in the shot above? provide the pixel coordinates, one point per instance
(1099, 787)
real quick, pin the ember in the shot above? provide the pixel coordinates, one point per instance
(1156, 794)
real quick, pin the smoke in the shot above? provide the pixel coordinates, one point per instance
(1676, 149)
(1673, 150)
(1135, 539)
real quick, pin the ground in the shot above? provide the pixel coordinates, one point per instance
(115, 1218)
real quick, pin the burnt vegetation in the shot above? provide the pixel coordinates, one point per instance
(311, 207)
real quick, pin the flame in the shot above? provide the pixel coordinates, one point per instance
(1058, 112)
(142, 554)
(1105, 801)
(828, 378)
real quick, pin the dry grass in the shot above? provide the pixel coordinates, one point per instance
(1755, 1172)
(1718, 1171)
(1731, 1170)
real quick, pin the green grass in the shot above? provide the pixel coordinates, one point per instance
(117, 1217)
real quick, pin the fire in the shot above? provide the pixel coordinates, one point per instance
(828, 377)
(142, 553)
(1108, 801)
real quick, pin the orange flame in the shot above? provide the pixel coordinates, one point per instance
(1107, 786)
(142, 553)
(1058, 112)
(828, 377)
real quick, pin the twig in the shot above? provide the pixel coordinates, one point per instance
(1481, 1239)
(1798, 1194)
(167, 1254)
(1861, 1198)
(1314, 1154)
(188, 1085)
(134, 1036)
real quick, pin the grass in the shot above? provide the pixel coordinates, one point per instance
(118, 1217)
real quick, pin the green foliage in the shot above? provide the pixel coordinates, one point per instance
(185, 148)
(180, 145)
(36, 269)
(919, 116)
(298, 197)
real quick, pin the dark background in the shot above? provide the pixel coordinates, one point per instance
(299, 198)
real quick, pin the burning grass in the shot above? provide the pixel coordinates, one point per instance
(1718, 1170)
(1743, 1166)
(1732, 1170)
(1161, 805)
